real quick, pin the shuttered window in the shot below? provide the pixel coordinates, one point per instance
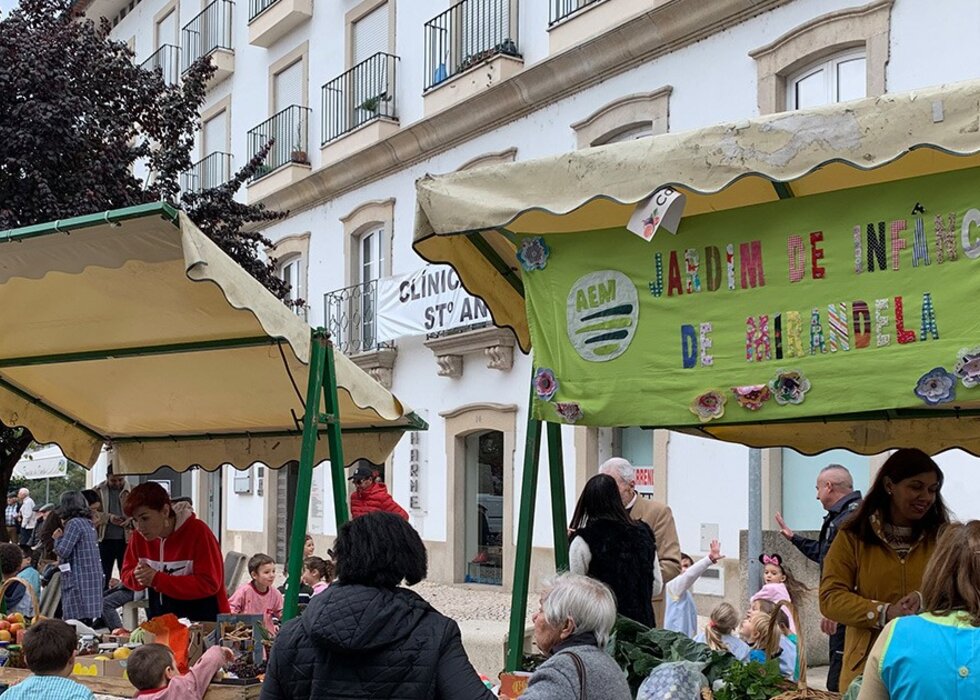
(216, 134)
(370, 34)
(289, 87)
(167, 30)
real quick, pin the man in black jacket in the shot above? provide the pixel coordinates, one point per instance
(835, 491)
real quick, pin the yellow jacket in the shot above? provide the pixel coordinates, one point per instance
(859, 580)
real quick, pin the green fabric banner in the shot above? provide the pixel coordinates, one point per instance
(856, 301)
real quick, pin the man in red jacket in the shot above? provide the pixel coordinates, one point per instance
(370, 494)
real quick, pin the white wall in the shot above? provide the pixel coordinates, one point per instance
(961, 489)
(244, 512)
(708, 482)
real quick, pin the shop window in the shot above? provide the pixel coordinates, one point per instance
(484, 507)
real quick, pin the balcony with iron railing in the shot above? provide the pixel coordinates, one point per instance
(288, 158)
(166, 59)
(571, 22)
(470, 33)
(351, 316)
(211, 171)
(210, 34)
(359, 107)
(270, 20)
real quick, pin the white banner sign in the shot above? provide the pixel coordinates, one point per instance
(427, 301)
(43, 468)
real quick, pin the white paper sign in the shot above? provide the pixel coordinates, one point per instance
(43, 468)
(662, 209)
(427, 301)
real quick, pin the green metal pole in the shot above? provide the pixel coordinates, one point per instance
(559, 517)
(301, 510)
(525, 529)
(334, 440)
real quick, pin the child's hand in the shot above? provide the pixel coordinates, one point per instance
(228, 654)
(714, 554)
(57, 534)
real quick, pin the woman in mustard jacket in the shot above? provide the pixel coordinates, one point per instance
(874, 569)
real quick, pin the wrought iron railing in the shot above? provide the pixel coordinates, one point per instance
(468, 33)
(560, 9)
(211, 171)
(289, 132)
(166, 59)
(257, 7)
(351, 314)
(209, 31)
(365, 92)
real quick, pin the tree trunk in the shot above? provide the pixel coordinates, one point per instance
(13, 442)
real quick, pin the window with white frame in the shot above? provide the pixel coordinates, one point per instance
(839, 78)
(370, 251)
(290, 273)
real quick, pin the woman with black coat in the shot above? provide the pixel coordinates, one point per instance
(365, 636)
(608, 545)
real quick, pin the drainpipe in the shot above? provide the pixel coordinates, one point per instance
(754, 582)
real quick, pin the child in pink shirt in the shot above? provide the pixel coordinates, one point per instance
(317, 574)
(258, 597)
(152, 669)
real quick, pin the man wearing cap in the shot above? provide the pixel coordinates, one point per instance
(370, 493)
(12, 513)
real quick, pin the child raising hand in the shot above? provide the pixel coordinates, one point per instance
(681, 614)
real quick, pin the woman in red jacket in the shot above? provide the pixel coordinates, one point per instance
(370, 494)
(174, 555)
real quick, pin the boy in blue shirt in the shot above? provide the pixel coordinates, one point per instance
(49, 650)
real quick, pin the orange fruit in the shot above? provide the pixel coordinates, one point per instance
(5, 636)
(16, 627)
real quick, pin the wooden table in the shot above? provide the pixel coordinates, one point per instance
(121, 687)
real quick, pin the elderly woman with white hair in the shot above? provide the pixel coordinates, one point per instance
(572, 626)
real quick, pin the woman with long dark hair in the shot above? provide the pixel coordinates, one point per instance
(77, 548)
(874, 569)
(610, 546)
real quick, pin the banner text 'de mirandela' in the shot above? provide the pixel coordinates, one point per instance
(829, 325)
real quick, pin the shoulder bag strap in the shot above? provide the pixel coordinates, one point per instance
(580, 670)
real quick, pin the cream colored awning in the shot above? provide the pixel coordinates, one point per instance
(460, 217)
(132, 327)
(467, 219)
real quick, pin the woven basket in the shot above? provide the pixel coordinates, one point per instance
(30, 592)
(801, 691)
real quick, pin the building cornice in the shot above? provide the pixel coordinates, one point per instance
(660, 31)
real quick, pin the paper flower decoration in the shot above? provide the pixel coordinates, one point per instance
(545, 384)
(936, 386)
(708, 406)
(533, 254)
(967, 366)
(752, 397)
(569, 411)
(789, 386)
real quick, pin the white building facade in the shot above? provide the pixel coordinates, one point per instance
(363, 97)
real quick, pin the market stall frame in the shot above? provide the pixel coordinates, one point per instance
(322, 379)
(468, 220)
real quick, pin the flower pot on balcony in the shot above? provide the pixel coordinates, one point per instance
(299, 156)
